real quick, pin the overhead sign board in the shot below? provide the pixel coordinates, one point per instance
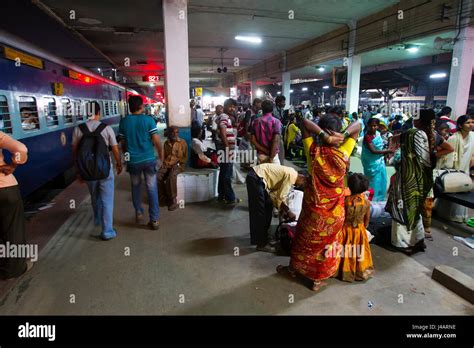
(151, 78)
(22, 58)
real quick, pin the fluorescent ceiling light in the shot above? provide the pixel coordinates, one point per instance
(304, 89)
(152, 84)
(278, 92)
(252, 39)
(320, 68)
(412, 48)
(291, 91)
(259, 93)
(438, 76)
(325, 87)
(297, 81)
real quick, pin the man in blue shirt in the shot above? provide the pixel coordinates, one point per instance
(139, 136)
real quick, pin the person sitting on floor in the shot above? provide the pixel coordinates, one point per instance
(202, 156)
(175, 157)
(268, 186)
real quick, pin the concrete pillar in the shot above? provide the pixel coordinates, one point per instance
(175, 18)
(353, 73)
(253, 90)
(286, 84)
(461, 73)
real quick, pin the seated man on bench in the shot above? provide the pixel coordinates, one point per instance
(202, 156)
(175, 157)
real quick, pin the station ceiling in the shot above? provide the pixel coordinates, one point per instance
(104, 33)
(429, 46)
(134, 29)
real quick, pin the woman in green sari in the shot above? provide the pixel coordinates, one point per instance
(411, 184)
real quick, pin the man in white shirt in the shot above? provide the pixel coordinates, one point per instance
(101, 191)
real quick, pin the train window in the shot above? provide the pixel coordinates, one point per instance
(67, 110)
(115, 108)
(5, 121)
(29, 113)
(78, 110)
(90, 109)
(50, 111)
(106, 109)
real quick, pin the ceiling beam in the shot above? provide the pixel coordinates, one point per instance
(405, 76)
(257, 13)
(53, 15)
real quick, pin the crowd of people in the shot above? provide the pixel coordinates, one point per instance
(331, 232)
(331, 238)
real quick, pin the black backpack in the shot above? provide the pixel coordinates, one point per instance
(93, 159)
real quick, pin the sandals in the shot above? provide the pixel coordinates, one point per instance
(286, 270)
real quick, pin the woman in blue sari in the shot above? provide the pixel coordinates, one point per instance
(373, 159)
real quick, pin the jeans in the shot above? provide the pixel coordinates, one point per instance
(149, 171)
(102, 198)
(224, 186)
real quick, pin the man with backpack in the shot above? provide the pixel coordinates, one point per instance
(139, 137)
(90, 145)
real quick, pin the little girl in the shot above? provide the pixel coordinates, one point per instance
(356, 258)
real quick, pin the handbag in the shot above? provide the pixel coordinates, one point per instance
(452, 181)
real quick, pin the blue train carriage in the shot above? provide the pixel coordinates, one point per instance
(42, 99)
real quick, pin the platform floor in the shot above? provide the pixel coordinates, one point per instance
(189, 267)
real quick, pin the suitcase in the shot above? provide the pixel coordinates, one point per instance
(451, 181)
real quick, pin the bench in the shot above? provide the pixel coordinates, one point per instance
(465, 198)
(197, 185)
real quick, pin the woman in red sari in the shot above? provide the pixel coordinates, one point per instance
(319, 229)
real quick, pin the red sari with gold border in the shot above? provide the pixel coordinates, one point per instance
(319, 229)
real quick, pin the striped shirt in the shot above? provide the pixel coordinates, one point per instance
(224, 121)
(265, 128)
(137, 130)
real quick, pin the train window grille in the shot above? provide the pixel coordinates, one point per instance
(5, 120)
(78, 110)
(67, 111)
(106, 109)
(51, 112)
(115, 108)
(28, 114)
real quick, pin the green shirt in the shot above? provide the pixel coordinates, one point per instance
(137, 130)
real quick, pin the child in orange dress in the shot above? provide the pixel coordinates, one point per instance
(356, 258)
